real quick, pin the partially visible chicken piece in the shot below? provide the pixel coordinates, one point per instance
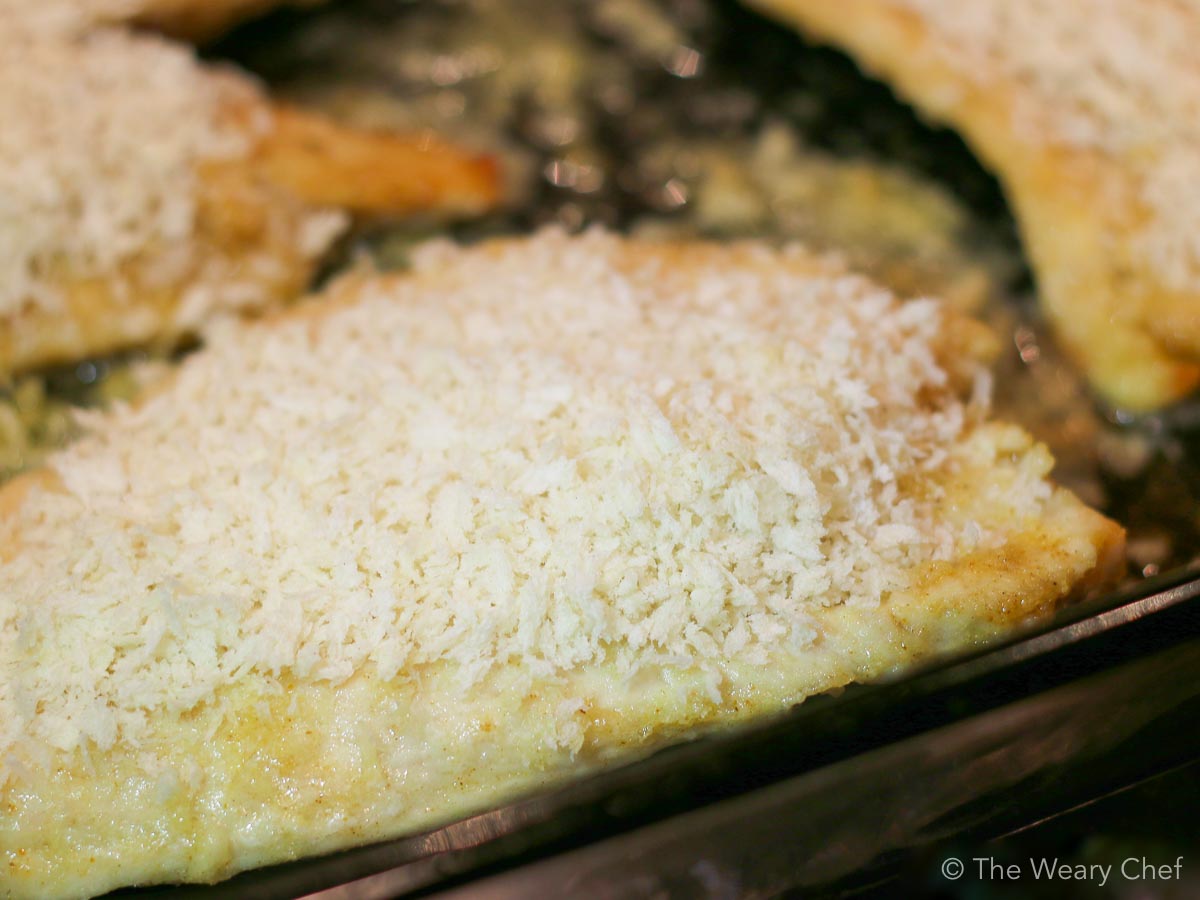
(141, 194)
(196, 20)
(1089, 112)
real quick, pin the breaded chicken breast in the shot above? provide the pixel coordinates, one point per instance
(531, 508)
(197, 20)
(141, 194)
(1089, 112)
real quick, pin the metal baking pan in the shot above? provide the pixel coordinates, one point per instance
(835, 794)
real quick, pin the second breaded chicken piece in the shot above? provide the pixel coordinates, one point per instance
(1089, 111)
(141, 193)
(458, 533)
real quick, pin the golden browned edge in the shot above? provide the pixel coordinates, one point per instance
(1137, 340)
(320, 795)
(249, 212)
(203, 20)
(374, 173)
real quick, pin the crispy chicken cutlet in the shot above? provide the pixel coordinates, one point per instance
(1089, 112)
(374, 563)
(142, 193)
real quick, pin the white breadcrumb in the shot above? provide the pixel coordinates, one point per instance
(554, 452)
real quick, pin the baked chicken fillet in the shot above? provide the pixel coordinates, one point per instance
(1089, 112)
(142, 193)
(371, 564)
